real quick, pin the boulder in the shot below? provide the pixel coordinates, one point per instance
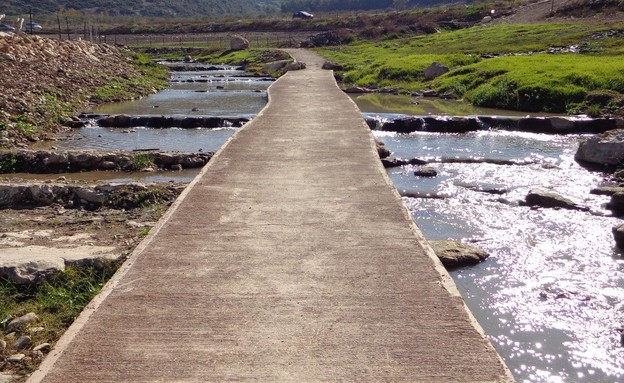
(275, 66)
(328, 65)
(30, 270)
(607, 190)
(456, 254)
(426, 171)
(238, 43)
(434, 70)
(605, 149)
(616, 205)
(618, 235)
(381, 149)
(550, 199)
(298, 65)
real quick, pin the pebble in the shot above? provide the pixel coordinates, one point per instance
(22, 342)
(42, 347)
(15, 358)
(35, 330)
(17, 322)
(37, 355)
(4, 378)
(3, 345)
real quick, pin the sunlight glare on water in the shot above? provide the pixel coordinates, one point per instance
(551, 295)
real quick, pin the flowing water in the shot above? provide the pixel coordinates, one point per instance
(227, 92)
(551, 295)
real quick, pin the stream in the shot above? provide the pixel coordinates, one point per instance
(551, 295)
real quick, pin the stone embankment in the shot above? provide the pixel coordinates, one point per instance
(44, 81)
(548, 125)
(53, 161)
(184, 122)
(117, 196)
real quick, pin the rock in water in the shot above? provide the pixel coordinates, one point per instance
(605, 149)
(381, 149)
(456, 254)
(426, 171)
(616, 205)
(618, 235)
(238, 43)
(436, 69)
(549, 199)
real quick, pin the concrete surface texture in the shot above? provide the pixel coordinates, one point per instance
(289, 259)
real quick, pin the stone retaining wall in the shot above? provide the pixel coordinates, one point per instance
(43, 162)
(548, 125)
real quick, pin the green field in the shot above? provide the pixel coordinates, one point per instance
(501, 66)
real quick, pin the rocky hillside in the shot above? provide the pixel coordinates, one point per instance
(43, 82)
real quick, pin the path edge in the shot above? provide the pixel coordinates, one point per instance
(446, 281)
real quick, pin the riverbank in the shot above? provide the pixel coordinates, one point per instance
(560, 68)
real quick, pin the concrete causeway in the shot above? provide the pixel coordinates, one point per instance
(290, 258)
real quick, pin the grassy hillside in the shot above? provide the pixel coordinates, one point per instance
(504, 66)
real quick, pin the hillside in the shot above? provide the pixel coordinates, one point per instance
(149, 8)
(43, 83)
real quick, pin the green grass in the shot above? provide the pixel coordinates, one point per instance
(518, 79)
(542, 82)
(56, 302)
(152, 77)
(144, 232)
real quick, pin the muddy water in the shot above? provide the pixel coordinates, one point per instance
(551, 295)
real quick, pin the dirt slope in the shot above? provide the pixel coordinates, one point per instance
(43, 81)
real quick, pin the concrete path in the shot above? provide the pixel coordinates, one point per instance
(289, 259)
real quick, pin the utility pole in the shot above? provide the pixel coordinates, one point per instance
(58, 19)
(67, 24)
